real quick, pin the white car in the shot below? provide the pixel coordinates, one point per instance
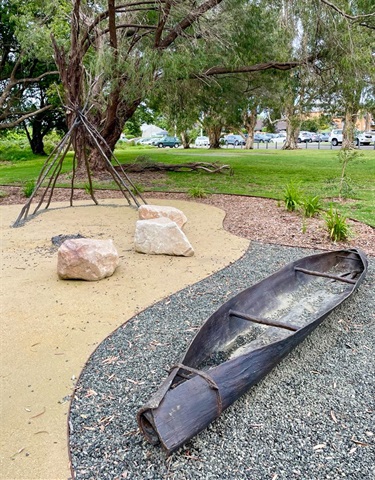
(202, 141)
(279, 139)
(360, 138)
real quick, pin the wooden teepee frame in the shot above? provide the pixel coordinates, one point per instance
(53, 165)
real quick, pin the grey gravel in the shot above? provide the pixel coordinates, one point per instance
(311, 418)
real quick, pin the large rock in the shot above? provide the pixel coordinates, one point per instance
(147, 212)
(161, 236)
(87, 259)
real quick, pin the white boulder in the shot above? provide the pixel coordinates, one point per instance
(161, 236)
(147, 212)
(87, 259)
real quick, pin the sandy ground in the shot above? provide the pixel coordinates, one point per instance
(50, 326)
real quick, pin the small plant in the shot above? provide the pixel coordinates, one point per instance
(292, 196)
(137, 189)
(198, 192)
(311, 206)
(345, 156)
(338, 228)
(87, 188)
(28, 188)
(304, 225)
(3, 194)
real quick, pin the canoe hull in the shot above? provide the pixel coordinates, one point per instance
(190, 399)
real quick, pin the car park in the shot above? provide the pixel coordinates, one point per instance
(202, 141)
(304, 137)
(167, 142)
(262, 138)
(234, 140)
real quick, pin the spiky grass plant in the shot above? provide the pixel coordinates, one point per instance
(197, 192)
(311, 206)
(337, 225)
(292, 196)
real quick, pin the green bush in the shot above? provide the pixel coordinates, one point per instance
(337, 225)
(197, 192)
(28, 188)
(292, 196)
(311, 206)
(137, 188)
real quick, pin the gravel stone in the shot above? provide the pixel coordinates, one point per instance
(311, 418)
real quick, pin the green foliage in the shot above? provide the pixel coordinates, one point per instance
(346, 156)
(292, 196)
(311, 206)
(28, 188)
(337, 225)
(198, 192)
(3, 194)
(137, 188)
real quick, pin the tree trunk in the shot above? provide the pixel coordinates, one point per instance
(293, 122)
(348, 130)
(250, 121)
(214, 133)
(185, 138)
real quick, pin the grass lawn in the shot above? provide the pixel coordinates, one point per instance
(257, 173)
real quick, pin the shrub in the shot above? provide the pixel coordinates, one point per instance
(338, 228)
(292, 196)
(137, 189)
(311, 206)
(197, 192)
(28, 188)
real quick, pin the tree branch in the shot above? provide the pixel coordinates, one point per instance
(4, 126)
(248, 68)
(188, 21)
(351, 17)
(162, 21)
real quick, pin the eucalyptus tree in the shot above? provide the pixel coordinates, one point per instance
(348, 69)
(22, 71)
(111, 54)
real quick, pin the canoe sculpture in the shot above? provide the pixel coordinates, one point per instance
(244, 339)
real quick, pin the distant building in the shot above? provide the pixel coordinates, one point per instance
(152, 131)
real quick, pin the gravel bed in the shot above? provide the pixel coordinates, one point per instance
(311, 418)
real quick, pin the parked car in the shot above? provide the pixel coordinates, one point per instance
(262, 137)
(304, 137)
(234, 140)
(146, 141)
(323, 137)
(360, 138)
(167, 142)
(279, 139)
(202, 141)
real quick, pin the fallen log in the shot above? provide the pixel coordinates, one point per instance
(179, 167)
